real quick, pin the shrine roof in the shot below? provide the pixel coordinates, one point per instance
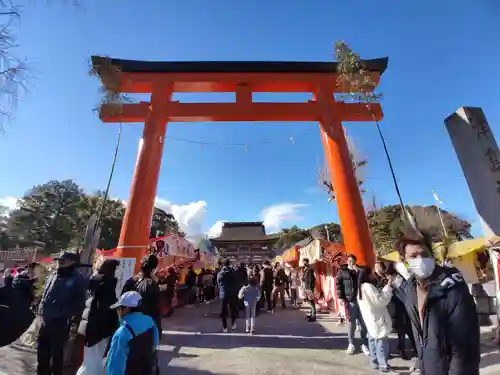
(137, 66)
(244, 232)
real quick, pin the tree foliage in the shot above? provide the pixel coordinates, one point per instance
(290, 236)
(56, 213)
(50, 213)
(389, 223)
(164, 223)
(110, 221)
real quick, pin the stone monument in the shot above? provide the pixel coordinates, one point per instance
(478, 154)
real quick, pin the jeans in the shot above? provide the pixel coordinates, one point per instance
(250, 316)
(379, 352)
(293, 296)
(354, 318)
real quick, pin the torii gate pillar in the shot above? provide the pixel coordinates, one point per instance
(242, 78)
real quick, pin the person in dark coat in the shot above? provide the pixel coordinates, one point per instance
(442, 312)
(147, 287)
(266, 284)
(190, 283)
(280, 283)
(241, 279)
(16, 314)
(61, 307)
(8, 278)
(170, 287)
(309, 280)
(99, 322)
(228, 292)
(347, 293)
(199, 285)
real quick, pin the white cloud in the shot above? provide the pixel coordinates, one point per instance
(277, 215)
(190, 216)
(216, 229)
(7, 204)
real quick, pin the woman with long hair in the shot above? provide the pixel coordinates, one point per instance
(99, 322)
(373, 306)
(397, 310)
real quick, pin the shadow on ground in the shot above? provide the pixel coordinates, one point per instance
(201, 327)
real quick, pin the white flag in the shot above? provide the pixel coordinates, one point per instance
(436, 197)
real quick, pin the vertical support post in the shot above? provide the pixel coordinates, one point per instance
(357, 238)
(134, 236)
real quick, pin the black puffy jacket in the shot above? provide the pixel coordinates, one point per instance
(347, 284)
(281, 278)
(150, 293)
(15, 309)
(448, 338)
(266, 278)
(98, 320)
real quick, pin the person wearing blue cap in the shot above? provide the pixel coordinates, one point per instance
(61, 305)
(133, 346)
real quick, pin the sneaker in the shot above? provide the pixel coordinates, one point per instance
(351, 349)
(385, 370)
(311, 318)
(224, 330)
(234, 327)
(252, 331)
(247, 330)
(365, 350)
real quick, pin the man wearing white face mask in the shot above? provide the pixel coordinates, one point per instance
(442, 312)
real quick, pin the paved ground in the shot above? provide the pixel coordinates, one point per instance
(284, 344)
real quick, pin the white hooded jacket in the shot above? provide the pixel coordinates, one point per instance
(373, 307)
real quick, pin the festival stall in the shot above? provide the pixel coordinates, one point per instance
(173, 251)
(326, 258)
(291, 256)
(208, 256)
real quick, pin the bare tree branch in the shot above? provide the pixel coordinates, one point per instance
(13, 70)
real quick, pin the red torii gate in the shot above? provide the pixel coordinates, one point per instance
(162, 79)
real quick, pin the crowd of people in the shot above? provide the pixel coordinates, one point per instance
(429, 307)
(257, 289)
(428, 303)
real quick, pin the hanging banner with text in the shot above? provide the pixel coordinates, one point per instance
(124, 272)
(478, 154)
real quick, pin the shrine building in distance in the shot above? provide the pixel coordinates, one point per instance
(245, 242)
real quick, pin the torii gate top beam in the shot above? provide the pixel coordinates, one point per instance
(227, 76)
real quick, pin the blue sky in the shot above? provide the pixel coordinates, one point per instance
(443, 55)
